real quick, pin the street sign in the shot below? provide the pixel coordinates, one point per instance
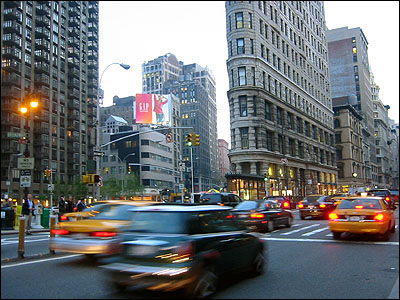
(25, 178)
(182, 166)
(181, 186)
(168, 137)
(15, 135)
(50, 187)
(284, 161)
(100, 183)
(25, 163)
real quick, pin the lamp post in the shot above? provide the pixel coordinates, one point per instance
(100, 99)
(124, 168)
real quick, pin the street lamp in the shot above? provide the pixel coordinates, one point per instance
(124, 167)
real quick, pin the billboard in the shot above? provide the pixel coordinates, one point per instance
(153, 109)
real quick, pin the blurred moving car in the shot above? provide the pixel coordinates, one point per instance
(88, 212)
(282, 200)
(316, 206)
(262, 215)
(229, 199)
(95, 235)
(359, 215)
(395, 195)
(170, 247)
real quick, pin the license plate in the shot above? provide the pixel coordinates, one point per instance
(72, 219)
(311, 207)
(141, 250)
(354, 218)
(242, 216)
(79, 236)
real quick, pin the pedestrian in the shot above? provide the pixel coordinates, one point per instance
(81, 204)
(69, 205)
(61, 207)
(28, 211)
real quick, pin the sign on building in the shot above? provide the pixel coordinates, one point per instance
(25, 163)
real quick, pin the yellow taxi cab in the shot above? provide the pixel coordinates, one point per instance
(362, 215)
(88, 212)
(337, 198)
(98, 234)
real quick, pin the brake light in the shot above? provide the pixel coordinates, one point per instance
(322, 205)
(60, 231)
(257, 216)
(229, 216)
(286, 204)
(387, 198)
(333, 216)
(301, 205)
(221, 204)
(379, 217)
(103, 234)
(75, 209)
(359, 206)
(64, 218)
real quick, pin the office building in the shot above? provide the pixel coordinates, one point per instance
(122, 107)
(49, 53)
(223, 162)
(281, 113)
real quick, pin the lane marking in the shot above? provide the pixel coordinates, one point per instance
(39, 261)
(331, 241)
(300, 229)
(315, 231)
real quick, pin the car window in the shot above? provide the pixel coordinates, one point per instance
(238, 199)
(360, 203)
(158, 222)
(210, 198)
(247, 205)
(380, 193)
(114, 212)
(394, 192)
(312, 198)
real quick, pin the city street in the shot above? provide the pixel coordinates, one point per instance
(304, 262)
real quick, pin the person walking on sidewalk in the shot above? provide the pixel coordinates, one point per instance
(81, 204)
(69, 205)
(61, 207)
(27, 210)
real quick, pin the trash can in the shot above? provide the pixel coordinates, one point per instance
(45, 218)
(7, 218)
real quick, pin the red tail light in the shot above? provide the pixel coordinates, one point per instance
(322, 205)
(60, 231)
(286, 204)
(186, 249)
(75, 208)
(387, 198)
(379, 217)
(221, 204)
(301, 205)
(333, 216)
(257, 216)
(103, 234)
(64, 218)
(229, 216)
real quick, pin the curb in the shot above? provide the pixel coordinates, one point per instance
(7, 232)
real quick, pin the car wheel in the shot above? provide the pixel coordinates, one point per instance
(386, 235)
(336, 235)
(117, 286)
(258, 264)
(302, 217)
(270, 226)
(205, 285)
(289, 222)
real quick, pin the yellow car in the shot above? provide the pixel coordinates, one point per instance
(95, 235)
(362, 215)
(337, 198)
(88, 212)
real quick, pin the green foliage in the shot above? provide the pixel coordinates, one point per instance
(111, 188)
(133, 185)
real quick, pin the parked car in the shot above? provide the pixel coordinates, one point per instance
(229, 199)
(359, 215)
(170, 247)
(262, 215)
(282, 200)
(316, 206)
(95, 235)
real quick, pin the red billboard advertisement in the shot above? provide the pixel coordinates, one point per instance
(153, 109)
(144, 108)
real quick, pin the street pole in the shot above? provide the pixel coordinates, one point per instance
(51, 192)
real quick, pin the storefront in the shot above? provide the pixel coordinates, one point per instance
(248, 187)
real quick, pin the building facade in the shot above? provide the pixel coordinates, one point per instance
(223, 161)
(49, 53)
(281, 113)
(122, 107)
(350, 76)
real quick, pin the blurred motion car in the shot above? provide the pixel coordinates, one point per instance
(88, 212)
(362, 215)
(229, 199)
(315, 206)
(262, 215)
(95, 235)
(395, 195)
(184, 247)
(282, 200)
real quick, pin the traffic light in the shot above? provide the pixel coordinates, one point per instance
(196, 139)
(86, 178)
(106, 170)
(189, 140)
(265, 176)
(96, 178)
(47, 172)
(129, 169)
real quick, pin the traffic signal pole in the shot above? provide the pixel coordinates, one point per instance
(192, 167)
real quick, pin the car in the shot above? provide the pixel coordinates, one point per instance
(262, 215)
(95, 235)
(229, 199)
(337, 198)
(362, 215)
(383, 193)
(395, 195)
(316, 206)
(282, 200)
(184, 247)
(88, 212)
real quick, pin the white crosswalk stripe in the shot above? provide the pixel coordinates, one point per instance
(315, 231)
(300, 229)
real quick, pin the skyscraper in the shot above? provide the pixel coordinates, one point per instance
(281, 113)
(49, 53)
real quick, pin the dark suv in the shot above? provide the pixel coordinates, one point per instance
(228, 199)
(170, 247)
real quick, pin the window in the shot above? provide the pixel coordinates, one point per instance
(253, 73)
(262, 50)
(242, 75)
(244, 136)
(279, 114)
(338, 137)
(269, 140)
(251, 46)
(239, 20)
(243, 106)
(240, 46)
(250, 20)
(268, 114)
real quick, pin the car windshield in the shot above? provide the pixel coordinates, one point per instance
(360, 203)
(113, 212)
(210, 197)
(275, 198)
(158, 222)
(247, 205)
(314, 198)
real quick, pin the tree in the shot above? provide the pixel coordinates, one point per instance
(133, 185)
(111, 188)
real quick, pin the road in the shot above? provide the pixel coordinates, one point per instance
(304, 262)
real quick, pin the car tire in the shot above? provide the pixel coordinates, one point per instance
(289, 222)
(336, 235)
(205, 285)
(386, 235)
(270, 226)
(258, 265)
(118, 287)
(302, 217)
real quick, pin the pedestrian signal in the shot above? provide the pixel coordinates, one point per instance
(96, 178)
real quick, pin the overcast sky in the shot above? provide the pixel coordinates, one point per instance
(133, 32)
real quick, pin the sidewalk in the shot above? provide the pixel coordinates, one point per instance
(15, 231)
